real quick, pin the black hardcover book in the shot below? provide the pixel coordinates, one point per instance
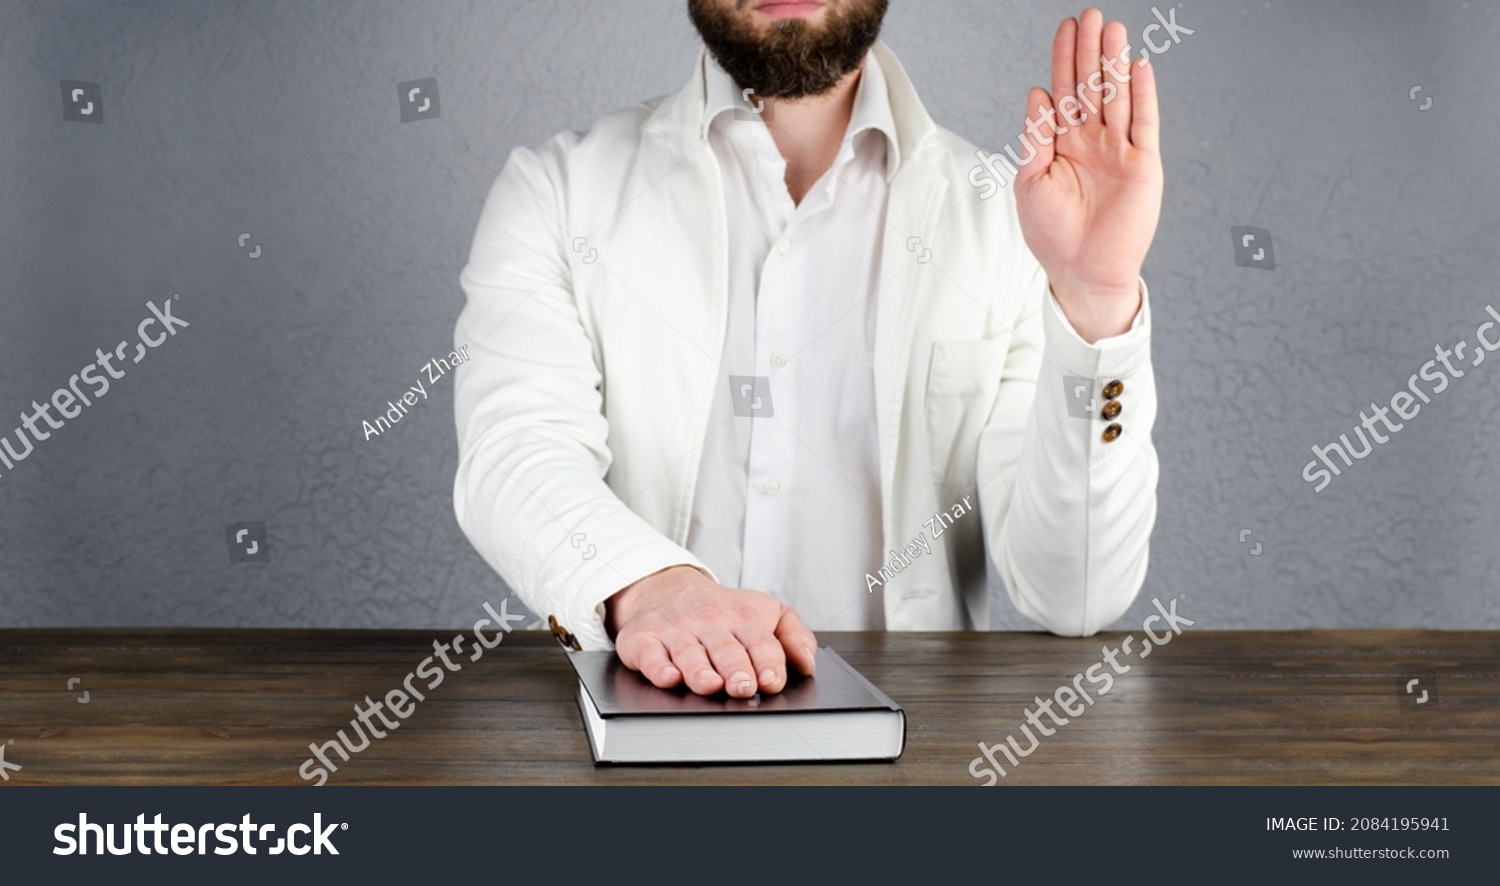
(835, 715)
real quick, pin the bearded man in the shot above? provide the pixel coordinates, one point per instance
(758, 357)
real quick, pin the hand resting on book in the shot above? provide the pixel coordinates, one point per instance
(678, 624)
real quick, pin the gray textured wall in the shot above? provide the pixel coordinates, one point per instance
(280, 120)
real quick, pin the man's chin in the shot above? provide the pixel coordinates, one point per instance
(788, 48)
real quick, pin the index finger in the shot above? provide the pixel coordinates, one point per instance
(1064, 48)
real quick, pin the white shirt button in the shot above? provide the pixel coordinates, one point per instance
(778, 360)
(770, 487)
(783, 246)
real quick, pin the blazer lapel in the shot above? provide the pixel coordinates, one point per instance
(680, 236)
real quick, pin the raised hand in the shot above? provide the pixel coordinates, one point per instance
(1090, 199)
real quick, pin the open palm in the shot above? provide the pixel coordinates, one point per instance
(1090, 199)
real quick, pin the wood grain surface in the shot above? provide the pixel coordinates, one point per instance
(219, 706)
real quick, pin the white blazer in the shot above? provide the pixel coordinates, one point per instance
(595, 320)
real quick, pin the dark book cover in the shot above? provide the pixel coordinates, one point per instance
(618, 691)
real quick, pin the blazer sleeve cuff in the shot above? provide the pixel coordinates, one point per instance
(584, 615)
(1112, 357)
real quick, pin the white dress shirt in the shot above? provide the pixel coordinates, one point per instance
(572, 489)
(788, 497)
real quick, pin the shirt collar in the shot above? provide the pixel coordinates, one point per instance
(872, 106)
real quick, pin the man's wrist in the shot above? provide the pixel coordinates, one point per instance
(624, 604)
(1097, 313)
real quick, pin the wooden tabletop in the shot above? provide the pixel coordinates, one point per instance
(172, 706)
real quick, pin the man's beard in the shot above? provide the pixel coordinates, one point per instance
(792, 59)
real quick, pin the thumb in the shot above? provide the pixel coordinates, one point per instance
(1036, 157)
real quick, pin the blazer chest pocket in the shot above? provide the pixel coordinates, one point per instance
(962, 382)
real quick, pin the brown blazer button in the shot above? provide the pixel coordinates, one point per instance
(1112, 432)
(563, 635)
(1114, 389)
(1111, 410)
